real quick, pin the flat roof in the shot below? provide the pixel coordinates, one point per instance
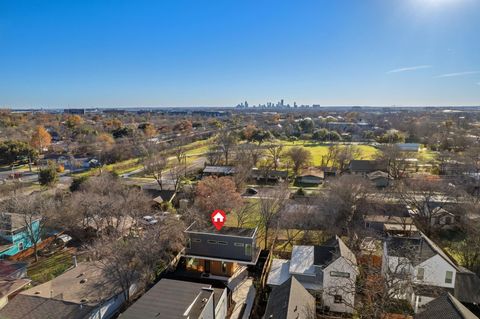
(84, 284)
(225, 231)
(395, 227)
(219, 169)
(169, 299)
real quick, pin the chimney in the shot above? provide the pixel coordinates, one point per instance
(74, 261)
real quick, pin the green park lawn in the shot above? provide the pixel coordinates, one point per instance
(319, 150)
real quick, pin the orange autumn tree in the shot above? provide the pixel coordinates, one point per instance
(217, 193)
(74, 120)
(40, 138)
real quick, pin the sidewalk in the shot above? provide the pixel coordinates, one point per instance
(243, 296)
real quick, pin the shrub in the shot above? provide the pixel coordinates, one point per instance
(75, 186)
(48, 176)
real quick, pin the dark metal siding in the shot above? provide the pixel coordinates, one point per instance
(200, 246)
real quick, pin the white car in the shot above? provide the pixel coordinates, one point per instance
(149, 220)
(64, 238)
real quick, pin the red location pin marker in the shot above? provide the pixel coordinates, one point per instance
(218, 218)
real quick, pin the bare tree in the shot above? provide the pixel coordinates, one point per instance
(270, 205)
(471, 158)
(275, 151)
(181, 156)
(226, 141)
(300, 158)
(469, 248)
(344, 155)
(340, 204)
(33, 213)
(155, 165)
(176, 174)
(135, 260)
(104, 204)
(395, 159)
(254, 154)
(424, 196)
(244, 213)
(214, 155)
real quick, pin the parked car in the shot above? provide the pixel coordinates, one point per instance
(251, 191)
(149, 220)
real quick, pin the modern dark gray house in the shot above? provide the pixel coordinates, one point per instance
(220, 254)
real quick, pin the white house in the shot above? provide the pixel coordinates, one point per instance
(425, 269)
(328, 272)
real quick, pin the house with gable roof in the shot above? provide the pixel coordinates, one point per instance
(427, 270)
(328, 272)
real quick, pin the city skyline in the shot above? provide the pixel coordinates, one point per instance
(199, 53)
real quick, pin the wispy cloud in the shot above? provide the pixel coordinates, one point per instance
(449, 75)
(410, 68)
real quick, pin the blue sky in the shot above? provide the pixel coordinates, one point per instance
(219, 53)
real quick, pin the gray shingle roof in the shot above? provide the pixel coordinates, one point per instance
(467, 287)
(31, 307)
(366, 166)
(290, 301)
(417, 249)
(445, 307)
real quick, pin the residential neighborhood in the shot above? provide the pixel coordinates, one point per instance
(224, 226)
(270, 159)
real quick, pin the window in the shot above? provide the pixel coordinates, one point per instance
(248, 249)
(224, 267)
(238, 244)
(420, 273)
(20, 246)
(196, 240)
(337, 299)
(339, 274)
(222, 243)
(448, 277)
(212, 242)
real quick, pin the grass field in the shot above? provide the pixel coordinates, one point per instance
(319, 150)
(198, 147)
